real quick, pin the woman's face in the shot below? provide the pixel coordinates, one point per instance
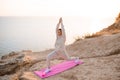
(59, 33)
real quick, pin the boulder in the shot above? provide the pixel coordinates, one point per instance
(12, 62)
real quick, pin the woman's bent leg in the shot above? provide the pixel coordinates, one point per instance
(67, 57)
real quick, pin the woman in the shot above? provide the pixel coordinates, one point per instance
(59, 46)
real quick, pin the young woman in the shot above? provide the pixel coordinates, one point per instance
(59, 46)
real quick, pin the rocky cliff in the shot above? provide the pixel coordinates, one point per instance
(112, 29)
(101, 57)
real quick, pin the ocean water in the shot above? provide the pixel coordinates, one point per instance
(38, 33)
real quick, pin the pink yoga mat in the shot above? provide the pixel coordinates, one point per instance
(58, 68)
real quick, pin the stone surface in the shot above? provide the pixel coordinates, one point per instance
(101, 57)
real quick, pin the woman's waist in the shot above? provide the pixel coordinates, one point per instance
(60, 47)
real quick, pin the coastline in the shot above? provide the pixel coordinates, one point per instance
(101, 61)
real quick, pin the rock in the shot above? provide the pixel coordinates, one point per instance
(28, 76)
(10, 77)
(96, 47)
(112, 29)
(12, 62)
(29, 51)
(9, 55)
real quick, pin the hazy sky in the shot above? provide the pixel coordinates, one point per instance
(94, 8)
(99, 11)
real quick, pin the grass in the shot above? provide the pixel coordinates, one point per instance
(116, 31)
(88, 35)
(91, 35)
(78, 38)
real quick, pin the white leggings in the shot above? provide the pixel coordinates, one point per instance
(57, 53)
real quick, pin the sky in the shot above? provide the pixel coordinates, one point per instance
(91, 8)
(99, 11)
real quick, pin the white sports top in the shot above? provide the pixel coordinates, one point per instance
(60, 40)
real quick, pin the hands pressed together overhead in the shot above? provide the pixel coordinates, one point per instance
(60, 20)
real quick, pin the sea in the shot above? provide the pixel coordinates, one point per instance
(37, 33)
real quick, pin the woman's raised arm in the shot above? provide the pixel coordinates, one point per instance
(63, 31)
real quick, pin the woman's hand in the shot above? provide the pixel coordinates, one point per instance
(60, 20)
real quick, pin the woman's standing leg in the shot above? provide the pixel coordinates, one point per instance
(64, 54)
(49, 57)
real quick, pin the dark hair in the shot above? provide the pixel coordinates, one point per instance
(60, 29)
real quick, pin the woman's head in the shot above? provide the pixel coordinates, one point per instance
(59, 32)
